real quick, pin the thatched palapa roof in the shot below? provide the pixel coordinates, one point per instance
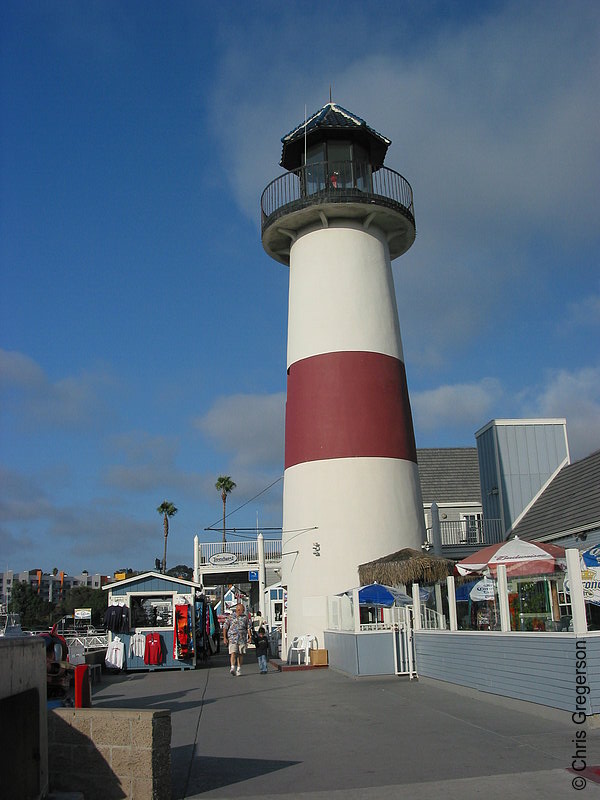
(405, 566)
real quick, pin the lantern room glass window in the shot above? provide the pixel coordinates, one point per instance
(314, 174)
(336, 164)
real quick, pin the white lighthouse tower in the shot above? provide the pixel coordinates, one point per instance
(351, 494)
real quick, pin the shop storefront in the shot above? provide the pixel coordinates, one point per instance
(158, 622)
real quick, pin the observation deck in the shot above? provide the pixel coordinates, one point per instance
(215, 561)
(319, 192)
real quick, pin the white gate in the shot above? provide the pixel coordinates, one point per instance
(403, 641)
(397, 620)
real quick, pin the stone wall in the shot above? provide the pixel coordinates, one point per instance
(110, 753)
(23, 744)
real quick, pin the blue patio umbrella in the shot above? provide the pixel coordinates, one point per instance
(377, 594)
(463, 591)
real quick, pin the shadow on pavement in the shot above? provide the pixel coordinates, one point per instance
(170, 701)
(208, 773)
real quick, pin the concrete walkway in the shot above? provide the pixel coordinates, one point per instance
(318, 734)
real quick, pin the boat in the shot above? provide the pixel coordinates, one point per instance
(10, 626)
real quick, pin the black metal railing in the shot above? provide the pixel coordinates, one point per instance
(335, 181)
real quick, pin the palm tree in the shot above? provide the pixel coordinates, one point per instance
(166, 510)
(224, 485)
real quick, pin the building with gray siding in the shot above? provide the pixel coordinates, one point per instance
(518, 459)
(450, 478)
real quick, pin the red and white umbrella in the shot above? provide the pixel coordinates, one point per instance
(519, 556)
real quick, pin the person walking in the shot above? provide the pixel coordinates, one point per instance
(236, 635)
(262, 650)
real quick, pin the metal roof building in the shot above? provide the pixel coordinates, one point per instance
(568, 510)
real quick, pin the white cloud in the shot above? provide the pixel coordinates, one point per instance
(250, 427)
(461, 409)
(139, 447)
(18, 371)
(36, 526)
(494, 123)
(585, 312)
(574, 395)
(499, 116)
(73, 402)
(149, 465)
(91, 533)
(21, 497)
(464, 405)
(141, 477)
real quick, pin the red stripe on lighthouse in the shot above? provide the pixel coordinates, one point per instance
(348, 405)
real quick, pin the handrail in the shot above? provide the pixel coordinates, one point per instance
(467, 532)
(333, 181)
(244, 551)
(93, 642)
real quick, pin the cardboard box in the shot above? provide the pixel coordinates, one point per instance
(318, 658)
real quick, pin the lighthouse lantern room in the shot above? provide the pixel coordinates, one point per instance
(337, 217)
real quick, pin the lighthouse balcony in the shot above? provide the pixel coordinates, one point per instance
(319, 192)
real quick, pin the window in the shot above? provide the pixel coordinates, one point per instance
(472, 525)
(151, 611)
(530, 604)
(315, 169)
(339, 170)
(336, 164)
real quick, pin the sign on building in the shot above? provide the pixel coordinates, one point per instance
(223, 559)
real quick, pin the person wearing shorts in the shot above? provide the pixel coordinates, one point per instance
(236, 635)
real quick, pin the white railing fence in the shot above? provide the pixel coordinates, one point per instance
(432, 620)
(94, 642)
(244, 551)
(478, 532)
(340, 616)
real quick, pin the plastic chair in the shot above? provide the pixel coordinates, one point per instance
(301, 645)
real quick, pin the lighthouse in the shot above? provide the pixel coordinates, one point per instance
(338, 217)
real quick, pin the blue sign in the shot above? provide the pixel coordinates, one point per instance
(591, 557)
(253, 575)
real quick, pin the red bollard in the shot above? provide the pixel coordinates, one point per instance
(82, 687)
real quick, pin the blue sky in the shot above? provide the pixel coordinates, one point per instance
(142, 326)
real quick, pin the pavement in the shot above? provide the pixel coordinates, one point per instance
(317, 734)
